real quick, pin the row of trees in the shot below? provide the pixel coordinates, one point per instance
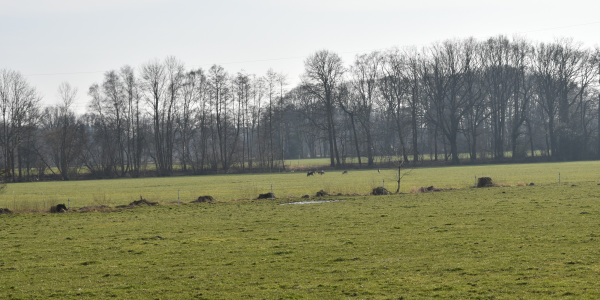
(497, 99)
(493, 98)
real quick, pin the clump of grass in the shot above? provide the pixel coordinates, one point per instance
(101, 199)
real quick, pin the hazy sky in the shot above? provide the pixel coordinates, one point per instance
(77, 41)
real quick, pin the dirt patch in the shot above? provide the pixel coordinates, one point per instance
(378, 191)
(321, 193)
(138, 203)
(142, 202)
(204, 199)
(429, 189)
(266, 196)
(59, 208)
(484, 182)
(311, 202)
(97, 208)
(5, 211)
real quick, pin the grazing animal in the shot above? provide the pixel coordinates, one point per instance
(378, 170)
(345, 172)
(310, 173)
(321, 172)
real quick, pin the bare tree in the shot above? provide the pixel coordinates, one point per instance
(226, 127)
(401, 87)
(596, 62)
(162, 84)
(135, 137)
(444, 82)
(521, 55)
(175, 72)
(19, 108)
(193, 93)
(473, 90)
(65, 136)
(271, 89)
(498, 79)
(562, 78)
(283, 116)
(347, 101)
(323, 76)
(366, 73)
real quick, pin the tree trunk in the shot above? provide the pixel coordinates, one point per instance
(356, 139)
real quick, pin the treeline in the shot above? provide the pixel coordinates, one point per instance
(497, 99)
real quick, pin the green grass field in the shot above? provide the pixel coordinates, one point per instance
(507, 242)
(39, 196)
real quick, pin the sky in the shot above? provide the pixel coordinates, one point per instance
(77, 41)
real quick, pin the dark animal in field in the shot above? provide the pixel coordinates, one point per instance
(59, 208)
(345, 172)
(321, 172)
(5, 211)
(310, 173)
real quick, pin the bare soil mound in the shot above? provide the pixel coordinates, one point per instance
(59, 208)
(484, 182)
(203, 199)
(266, 196)
(429, 189)
(380, 191)
(138, 203)
(321, 193)
(97, 208)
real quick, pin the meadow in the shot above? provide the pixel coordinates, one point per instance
(505, 242)
(39, 196)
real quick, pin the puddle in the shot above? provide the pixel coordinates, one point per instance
(312, 202)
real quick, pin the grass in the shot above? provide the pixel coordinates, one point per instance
(508, 242)
(39, 196)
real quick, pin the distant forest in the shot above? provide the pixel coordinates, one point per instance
(498, 99)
